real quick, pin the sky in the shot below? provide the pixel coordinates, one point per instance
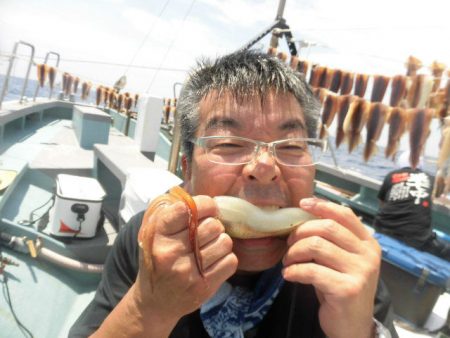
(156, 42)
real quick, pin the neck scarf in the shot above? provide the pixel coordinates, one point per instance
(234, 310)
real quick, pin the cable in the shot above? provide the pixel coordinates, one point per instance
(170, 46)
(145, 38)
(6, 293)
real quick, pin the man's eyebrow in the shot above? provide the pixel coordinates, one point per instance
(222, 123)
(294, 124)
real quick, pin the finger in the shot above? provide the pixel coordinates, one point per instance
(216, 250)
(329, 230)
(321, 277)
(222, 269)
(175, 217)
(208, 230)
(321, 251)
(339, 213)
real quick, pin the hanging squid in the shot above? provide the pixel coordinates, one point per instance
(51, 76)
(329, 110)
(42, 70)
(354, 122)
(398, 90)
(343, 106)
(437, 69)
(380, 84)
(419, 91)
(397, 121)
(413, 64)
(76, 81)
(419, 130)
(335, 83)
(375, 123)
(347, 82)
(99, 95)
(361, 81)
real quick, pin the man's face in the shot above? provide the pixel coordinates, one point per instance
(262, 182)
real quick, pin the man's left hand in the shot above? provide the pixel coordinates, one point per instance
(340, 258)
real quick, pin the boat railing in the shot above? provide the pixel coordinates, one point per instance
(10, 66)
(45, 62)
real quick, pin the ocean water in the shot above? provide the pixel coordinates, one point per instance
(377, 166)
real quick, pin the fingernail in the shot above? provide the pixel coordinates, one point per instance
(308, 202)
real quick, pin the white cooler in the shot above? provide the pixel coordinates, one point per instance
(77, 208)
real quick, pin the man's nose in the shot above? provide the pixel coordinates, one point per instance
(264, 167)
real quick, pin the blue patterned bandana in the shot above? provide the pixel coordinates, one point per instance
(234, 310)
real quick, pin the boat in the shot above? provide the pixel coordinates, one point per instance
(48, 152)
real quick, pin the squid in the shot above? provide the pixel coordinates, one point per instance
(67, 84)
(320, 94)
(318, 75)
(303, 66)
(99, 95)
(136, 98)
(375, 123)
(397, 126)
(347, 82)
(354, 122)
(240, 218)
(335, 83)
(398, 90)
(76, 81)
(437, 69)
(119, 102)
(85, 90)
(293, 63)
(344, 104)
(51, 76)
(361, 81)
(419, 91)
(419, 130)
(329, 110)
(380, 84)
(42, 70)
(413, 64)
(444, 153)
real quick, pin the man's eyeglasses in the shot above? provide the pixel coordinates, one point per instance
(235, 150)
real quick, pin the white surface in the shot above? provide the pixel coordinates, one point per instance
(79, 187)
(148, 123)
(142, 185)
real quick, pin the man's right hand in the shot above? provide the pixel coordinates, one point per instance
(172, 284)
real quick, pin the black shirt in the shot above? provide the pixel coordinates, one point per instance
(406, 209)
(294, 312)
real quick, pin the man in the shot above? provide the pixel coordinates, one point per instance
(405, 210)
(320, 281)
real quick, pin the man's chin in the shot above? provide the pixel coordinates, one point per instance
(260, 253)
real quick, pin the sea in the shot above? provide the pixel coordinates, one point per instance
(377, 166)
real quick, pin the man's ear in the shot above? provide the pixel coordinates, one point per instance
(185, 168)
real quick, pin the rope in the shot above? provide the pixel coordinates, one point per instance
(145, 38)
(170, 46)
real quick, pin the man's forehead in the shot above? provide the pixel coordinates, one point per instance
(228, 109)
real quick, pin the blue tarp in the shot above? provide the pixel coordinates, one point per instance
(414, 261)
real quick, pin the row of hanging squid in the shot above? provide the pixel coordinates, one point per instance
(169, 107)
(109, 97)
(414, 100)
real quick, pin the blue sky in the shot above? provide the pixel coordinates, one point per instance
(367, 36)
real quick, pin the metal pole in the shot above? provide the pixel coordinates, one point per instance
(176, 140)
(280, 11)
(28, 70)
(8, 73)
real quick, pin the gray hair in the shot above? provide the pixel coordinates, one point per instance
(243, 73)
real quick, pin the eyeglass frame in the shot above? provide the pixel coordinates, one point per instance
(199, 141)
